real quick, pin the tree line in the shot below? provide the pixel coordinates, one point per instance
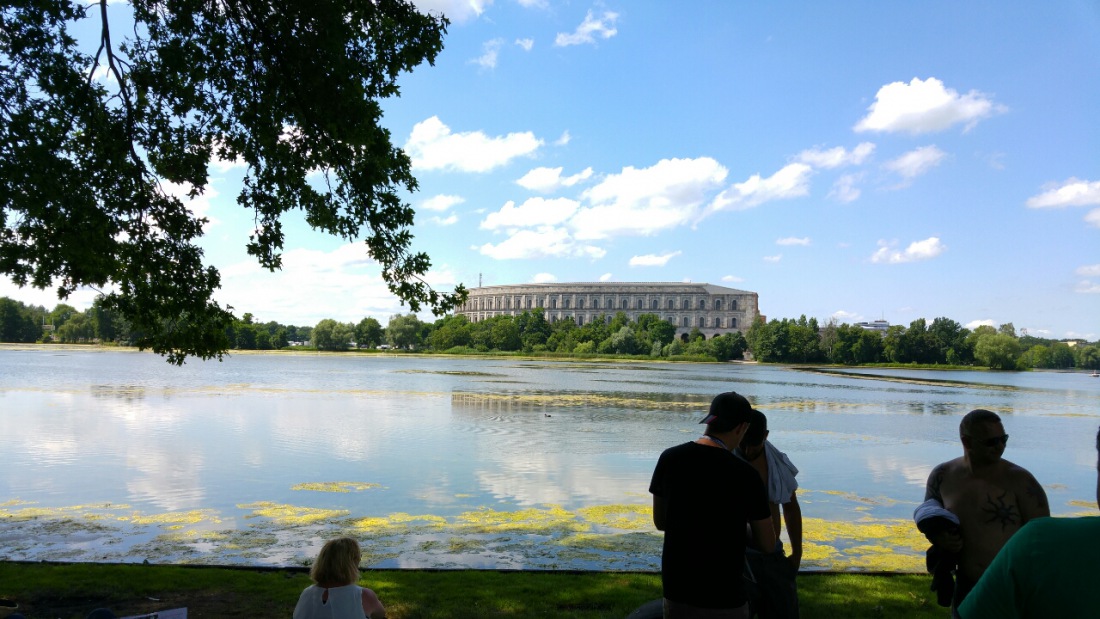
(801, 340)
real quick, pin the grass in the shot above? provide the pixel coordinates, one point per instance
(69, 591)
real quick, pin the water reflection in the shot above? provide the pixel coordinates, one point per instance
(471, 463)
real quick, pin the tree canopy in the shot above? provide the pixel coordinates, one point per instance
(292, 89)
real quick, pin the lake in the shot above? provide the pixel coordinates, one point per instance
(476, 463)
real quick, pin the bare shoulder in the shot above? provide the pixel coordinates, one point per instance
(941, 473)
(1016, 476)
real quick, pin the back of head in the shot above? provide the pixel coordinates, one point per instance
(727, 411)
(337, 563)
(758, 429)
(974, 417)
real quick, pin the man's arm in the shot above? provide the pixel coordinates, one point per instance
(792, 517)
(660, 512)
(947, 540)
(935, 480)
(763, 534)
(1033, 500)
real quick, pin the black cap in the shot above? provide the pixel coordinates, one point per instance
(727, 410)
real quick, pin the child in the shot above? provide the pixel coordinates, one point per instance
(335, 594)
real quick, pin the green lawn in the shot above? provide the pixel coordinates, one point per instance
(67, 591)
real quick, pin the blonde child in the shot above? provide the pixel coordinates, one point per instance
(335, 593)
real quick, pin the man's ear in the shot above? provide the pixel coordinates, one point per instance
(766, 433)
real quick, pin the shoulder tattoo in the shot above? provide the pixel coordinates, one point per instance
(935, 480)
(1035, 491)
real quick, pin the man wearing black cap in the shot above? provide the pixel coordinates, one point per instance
(703, 496)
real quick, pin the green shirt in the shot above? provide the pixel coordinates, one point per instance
(1049, 568)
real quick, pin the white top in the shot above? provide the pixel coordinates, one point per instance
(343, 603)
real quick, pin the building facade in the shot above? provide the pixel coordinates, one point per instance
(714, 310)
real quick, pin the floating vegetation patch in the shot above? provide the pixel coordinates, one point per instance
(546, 521)
(852, 496)
(637, 544)
(1079, 503)
(174, 519)
(933, 382)
(335, 486)
(577, 400)
(396, 524)
(292, 515)
(448, 372)
(602, 537)
(627, 517)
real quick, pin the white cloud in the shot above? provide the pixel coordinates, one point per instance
(440, 221)
(732, 279)
(1089, 270)
(645, 201)
(544, 242)
(432, 146)
(791, 181)
(199, 206)
(924, 106)
(916, 162)
(533, 212)
(490, 51)
(457, 11)
(916, 251)
(544, 278)
(775, 258)
(1087, 287)
(1073, 192)
(842, 317)
(836, 157)
(590, 29)
(533, 4)
(526, 44)
(549, 180)
(344, 284)
(1093, 218)
(845, 190)
(441, 202)
(794, 240)
(987, 322)
(653, 260)
(606, 277)
(564, 139)
(81, 298)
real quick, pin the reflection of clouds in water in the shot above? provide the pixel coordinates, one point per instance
(885, 470)
(170, 478)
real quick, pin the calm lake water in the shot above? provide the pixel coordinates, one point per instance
(444, 462)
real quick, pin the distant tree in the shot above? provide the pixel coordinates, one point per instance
(368, 333)
(17, 323)
(998, 351)
(331, 335)
(624, 342)
(403, 331)
(504, 334)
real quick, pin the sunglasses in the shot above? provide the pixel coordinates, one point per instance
(993, 441)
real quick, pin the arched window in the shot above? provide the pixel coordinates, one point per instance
(733, 304)
(685, 304)
(624, 303)
(638, 303)
(687, 321)
(733, 323)
(596, 303)
(671, 304)
(654, 303)
(702, 304)
(718, 304)
(580, 303)
(565, 303)
(553, 304)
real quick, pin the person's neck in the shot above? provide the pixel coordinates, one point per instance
(715, 441)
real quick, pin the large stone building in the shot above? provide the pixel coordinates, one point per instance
(714, 310)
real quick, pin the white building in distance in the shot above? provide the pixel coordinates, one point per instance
(714, 310)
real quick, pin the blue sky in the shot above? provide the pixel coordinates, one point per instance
(848, 160)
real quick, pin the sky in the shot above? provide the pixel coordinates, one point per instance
(844, 160)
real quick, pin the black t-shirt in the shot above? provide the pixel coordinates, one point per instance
(710, 495)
